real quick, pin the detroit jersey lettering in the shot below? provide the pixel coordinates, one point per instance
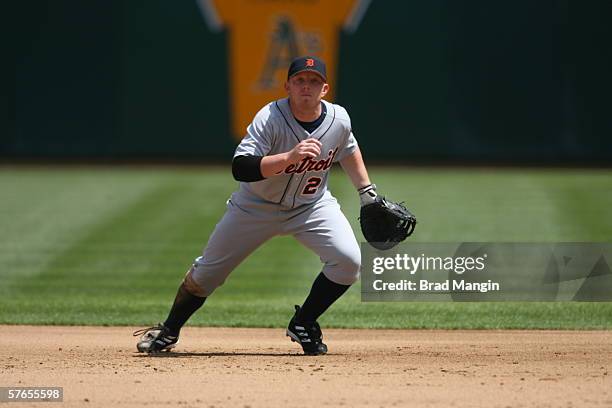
(274, 130)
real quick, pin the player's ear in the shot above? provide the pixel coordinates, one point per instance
(325, 89)
(287, 86)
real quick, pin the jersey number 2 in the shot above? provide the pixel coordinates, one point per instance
(311, 186)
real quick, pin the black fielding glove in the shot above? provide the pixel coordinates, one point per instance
(384, 223)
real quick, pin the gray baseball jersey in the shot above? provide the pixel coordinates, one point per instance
(294, 202)
(274, 130)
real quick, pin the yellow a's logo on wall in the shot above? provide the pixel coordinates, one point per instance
(265, 35)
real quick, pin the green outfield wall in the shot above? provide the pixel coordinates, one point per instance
(442, 79)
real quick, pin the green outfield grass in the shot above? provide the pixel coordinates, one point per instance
(109, 246)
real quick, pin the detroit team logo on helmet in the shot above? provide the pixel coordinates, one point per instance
(308, 63)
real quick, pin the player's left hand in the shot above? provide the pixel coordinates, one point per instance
(367, 194)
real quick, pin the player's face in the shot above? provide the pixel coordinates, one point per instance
(306, 89)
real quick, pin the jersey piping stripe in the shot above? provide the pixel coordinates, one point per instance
(287, 122)
(286, 187)
(330, 125)
(297, 189)
(298, 139)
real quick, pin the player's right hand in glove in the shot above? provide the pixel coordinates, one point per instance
(384, 224)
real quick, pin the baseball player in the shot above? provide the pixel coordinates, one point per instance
(283, 165)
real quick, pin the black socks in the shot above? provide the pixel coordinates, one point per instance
(322, 294)
(185, 304)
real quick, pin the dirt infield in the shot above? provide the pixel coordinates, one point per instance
(219, 367)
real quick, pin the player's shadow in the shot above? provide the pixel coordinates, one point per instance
(172, 354)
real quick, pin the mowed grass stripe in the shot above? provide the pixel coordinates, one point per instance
(583, 201)
(45, 212)
(473, 205)
(142, 239)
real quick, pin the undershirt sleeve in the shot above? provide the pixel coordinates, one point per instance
(247, 168)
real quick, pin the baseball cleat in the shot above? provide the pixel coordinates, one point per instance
(308, 334)
(155, 339)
